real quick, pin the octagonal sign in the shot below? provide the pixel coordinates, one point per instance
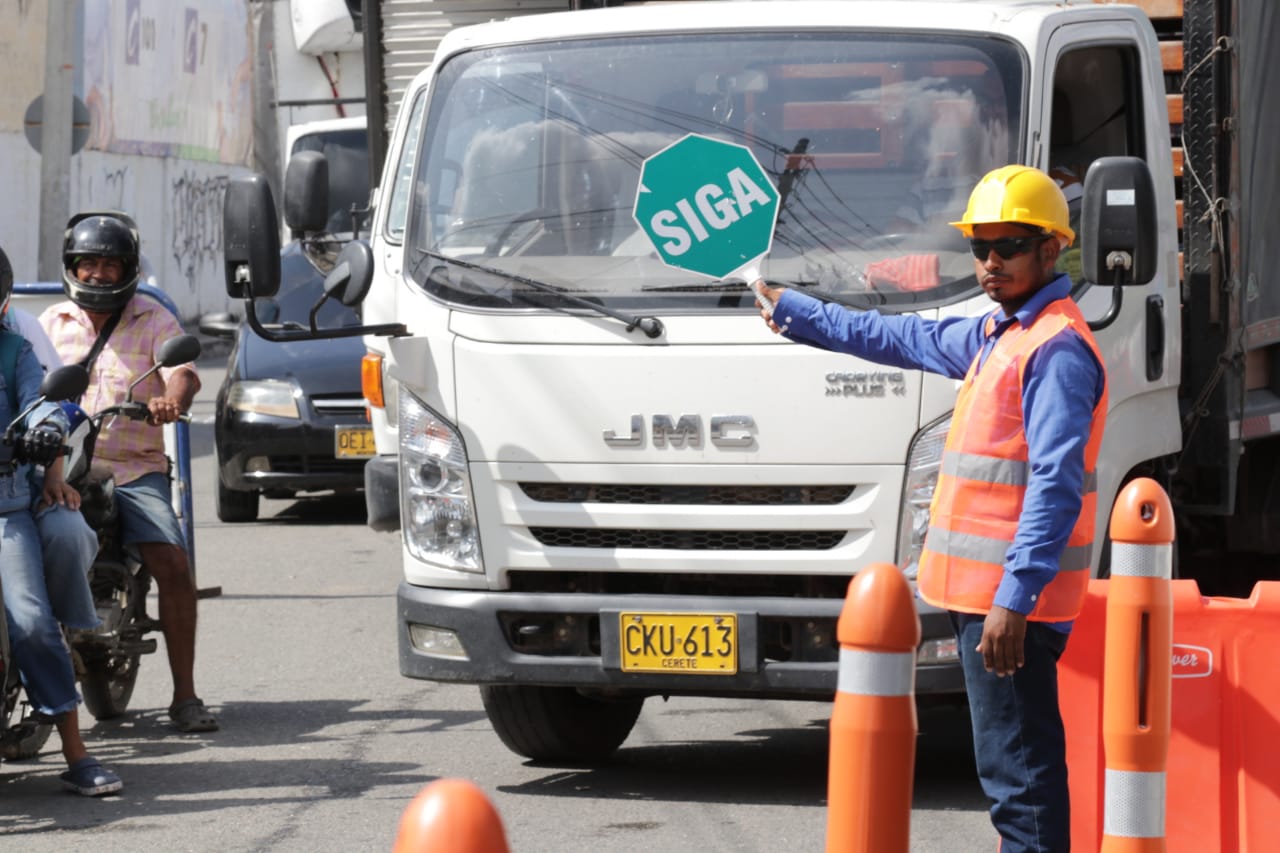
(707, 206)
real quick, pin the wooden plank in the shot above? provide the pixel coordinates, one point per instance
(1171, 55)
(1177, 162)
(1175, 108)
(1179, 214)
(1155, 8)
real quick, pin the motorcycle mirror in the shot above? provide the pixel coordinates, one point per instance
(65, 383)
(179, 350)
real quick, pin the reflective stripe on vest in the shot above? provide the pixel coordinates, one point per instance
(983, 478)
(1133, 805)
(867, 673)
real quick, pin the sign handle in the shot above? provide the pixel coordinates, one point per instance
(751, 274)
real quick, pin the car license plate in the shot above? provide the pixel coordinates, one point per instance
(679, 643)
(354, 442)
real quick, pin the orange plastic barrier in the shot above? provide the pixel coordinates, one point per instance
(873, 722)
(1136, 674)
(451, 816)
(1223, 776)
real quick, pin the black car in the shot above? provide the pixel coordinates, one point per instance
(291, 417)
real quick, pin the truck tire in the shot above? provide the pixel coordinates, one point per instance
(236, 507)
(558, 723)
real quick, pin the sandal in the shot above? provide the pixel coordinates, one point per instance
(190, 715)
(89, 778)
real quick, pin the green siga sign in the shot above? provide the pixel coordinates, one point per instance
(707, 206)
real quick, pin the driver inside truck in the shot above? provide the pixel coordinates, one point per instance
(39, 600)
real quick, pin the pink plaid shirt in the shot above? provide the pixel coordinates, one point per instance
(130, 448)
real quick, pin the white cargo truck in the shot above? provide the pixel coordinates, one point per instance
(612, 481)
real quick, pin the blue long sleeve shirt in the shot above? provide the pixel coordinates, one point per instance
(1063, 384)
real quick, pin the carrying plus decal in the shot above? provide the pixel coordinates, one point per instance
(1191, 661)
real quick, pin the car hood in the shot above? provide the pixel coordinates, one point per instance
(321, 366)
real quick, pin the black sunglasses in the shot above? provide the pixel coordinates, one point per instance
(1005, 247)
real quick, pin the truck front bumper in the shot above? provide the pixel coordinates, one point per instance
(573, 640)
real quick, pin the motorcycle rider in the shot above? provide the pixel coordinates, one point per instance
(100, 257)
(34, 602)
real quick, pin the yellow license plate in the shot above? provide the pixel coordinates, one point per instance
(679, 643)
(355, 442)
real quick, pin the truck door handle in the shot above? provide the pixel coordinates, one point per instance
(1155, 337)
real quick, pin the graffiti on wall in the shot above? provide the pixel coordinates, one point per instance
(109, 189)
(196, 218)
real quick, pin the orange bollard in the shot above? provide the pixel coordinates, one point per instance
(451, 816)
(1137, 673)
(873, 722)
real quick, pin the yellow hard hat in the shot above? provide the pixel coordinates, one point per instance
(1018, 194)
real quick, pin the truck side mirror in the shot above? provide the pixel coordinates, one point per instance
(1118, 222)
(352, 274)
(306, 193)
(250, 238)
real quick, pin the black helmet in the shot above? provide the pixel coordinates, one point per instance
(6, 282)
(109, 235)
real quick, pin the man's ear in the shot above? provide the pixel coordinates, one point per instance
(1050, 250)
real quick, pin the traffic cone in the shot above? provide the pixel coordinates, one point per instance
(873, 722)
(451, 816)
(1136, 686)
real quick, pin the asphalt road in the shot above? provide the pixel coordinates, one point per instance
(323, 743)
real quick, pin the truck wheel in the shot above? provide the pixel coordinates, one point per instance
(236, 507)
(558, 723)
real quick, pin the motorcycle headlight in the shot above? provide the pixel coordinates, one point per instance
(924, 458)
(437, 514)
(264, 397)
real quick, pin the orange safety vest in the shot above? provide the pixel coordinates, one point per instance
(983, 481)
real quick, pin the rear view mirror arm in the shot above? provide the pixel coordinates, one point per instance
(316, 333)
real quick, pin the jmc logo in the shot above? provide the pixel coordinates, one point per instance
(686, 431)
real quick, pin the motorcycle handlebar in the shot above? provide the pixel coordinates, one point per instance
(134, 411)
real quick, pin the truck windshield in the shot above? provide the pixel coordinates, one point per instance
(531, 154)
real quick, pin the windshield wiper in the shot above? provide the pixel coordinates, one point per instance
(651, 326)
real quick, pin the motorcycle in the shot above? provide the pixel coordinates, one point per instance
(23, 735)
(107, 658)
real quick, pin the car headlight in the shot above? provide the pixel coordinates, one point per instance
(436, 511)
(264, 397)
(924, 458)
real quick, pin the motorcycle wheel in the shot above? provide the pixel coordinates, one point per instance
(24, 739)
(107, 685)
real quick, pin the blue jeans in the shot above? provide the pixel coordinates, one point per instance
(34, 633)
(1018, 739)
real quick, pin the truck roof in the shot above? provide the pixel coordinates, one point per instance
(1011, 17)
(972, 15)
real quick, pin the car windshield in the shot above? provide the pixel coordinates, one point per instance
(302, 285)
(347, 152)
(531, 156)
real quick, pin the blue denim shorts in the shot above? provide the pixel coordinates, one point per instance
(146, 511)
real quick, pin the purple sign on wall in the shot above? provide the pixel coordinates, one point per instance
(132, 31)
(190, 29)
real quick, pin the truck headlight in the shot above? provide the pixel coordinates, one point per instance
(436, 510)
(924, 458)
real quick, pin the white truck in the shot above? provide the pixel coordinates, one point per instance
(613, 482)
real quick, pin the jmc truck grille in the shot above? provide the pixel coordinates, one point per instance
(620, 493)
(689, 540)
